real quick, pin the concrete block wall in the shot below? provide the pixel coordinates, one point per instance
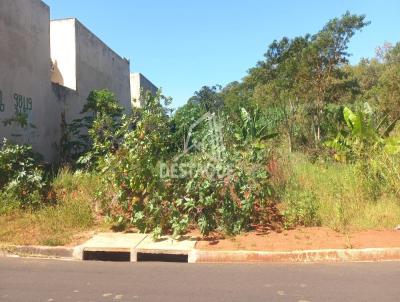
(83, 63)
(99, 67)
(48, 69)
(139, 86)
(25, 73)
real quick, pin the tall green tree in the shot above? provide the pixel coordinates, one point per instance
(388, 87)
(323, 61)
(284, 89)
(209, 98)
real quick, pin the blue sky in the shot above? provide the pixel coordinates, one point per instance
(181, 45)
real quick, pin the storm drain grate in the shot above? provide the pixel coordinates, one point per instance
(155, 257)
(107, 256)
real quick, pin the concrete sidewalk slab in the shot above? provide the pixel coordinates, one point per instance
(165, 245)
(110, 242)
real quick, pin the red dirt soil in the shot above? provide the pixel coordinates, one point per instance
(302, 239)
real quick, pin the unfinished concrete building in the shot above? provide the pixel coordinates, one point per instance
(25, 73)
(140, 85)
(82, 63)
(47, 70)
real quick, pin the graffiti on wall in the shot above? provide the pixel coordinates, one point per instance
(22, 104)
(2, 106)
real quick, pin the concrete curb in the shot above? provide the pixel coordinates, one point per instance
(38, 251)
(204, 256)
(307, 256)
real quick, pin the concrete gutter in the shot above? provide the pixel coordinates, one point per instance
(164, 246)
(206, 256)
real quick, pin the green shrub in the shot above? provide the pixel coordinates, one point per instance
(230, 204)
(8, 203)
(233, 203)
(94, 134)
(133, 171)
(21, 177)
(156, 203)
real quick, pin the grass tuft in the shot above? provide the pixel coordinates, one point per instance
(336, 197)
(58, 224)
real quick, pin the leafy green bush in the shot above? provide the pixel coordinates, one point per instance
(145, 198)
(94, 135)
(237, 202)
(230, 204)
(22, 179)
(133, 170)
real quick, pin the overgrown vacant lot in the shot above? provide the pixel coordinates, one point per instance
(327, 195)
(304, 140)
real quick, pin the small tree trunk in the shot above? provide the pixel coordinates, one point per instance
(290, 141)
(315, 132)
(290, 125)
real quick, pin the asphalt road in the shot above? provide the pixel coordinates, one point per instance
(27, 280)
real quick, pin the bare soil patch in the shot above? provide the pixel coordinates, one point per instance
(302, 239)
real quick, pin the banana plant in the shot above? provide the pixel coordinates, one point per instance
(361, 135)
(360, 126)
(252, 127)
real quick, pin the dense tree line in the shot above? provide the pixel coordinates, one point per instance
(303, 84)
